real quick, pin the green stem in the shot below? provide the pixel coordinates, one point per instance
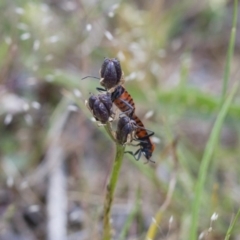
(132, 215)
(230, 229)
(207, 156)
(152, 231)
(110, 191)
(230, 51)
(108, 129)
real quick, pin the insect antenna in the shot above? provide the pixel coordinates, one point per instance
(90, 77)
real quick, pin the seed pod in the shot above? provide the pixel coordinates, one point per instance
(125, 127)
(111, 73)
(101, 107)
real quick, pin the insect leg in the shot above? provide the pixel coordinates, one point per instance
(90, 77)
(150, 133)
(149, 160)
(138, 152)
(130, 111)
(101, 89)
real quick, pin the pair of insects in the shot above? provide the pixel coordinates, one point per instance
(129, 123)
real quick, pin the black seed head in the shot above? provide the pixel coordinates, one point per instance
(111, 73)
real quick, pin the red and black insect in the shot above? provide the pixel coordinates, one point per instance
(142, 135)
(146, 148)
(101, 107)
(123, 100)
(111, 77)
(137, 132)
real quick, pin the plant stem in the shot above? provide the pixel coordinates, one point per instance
(108, 129)
(230, 51)
(206, 159)
(110, 191)
(132, 215)
(152, 231)
(230, 229)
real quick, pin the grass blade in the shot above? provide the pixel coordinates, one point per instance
(211, 144)
(107, 232)
(131, 217)
(230, 229)
(230, 50)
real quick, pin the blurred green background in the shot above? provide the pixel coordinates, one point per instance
(173, 55)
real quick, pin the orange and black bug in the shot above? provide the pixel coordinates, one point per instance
(111, 77)
(123, 100)
(146, 148)
(142, 135)
(101, 107)
(137, 132)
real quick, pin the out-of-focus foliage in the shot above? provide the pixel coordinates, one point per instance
(173, 55)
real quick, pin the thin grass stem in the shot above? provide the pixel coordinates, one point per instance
(132, 215)
(230, 229)
(156, 221)
(207, 156)
(109, 131)
(107, 231)
(230, 51)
